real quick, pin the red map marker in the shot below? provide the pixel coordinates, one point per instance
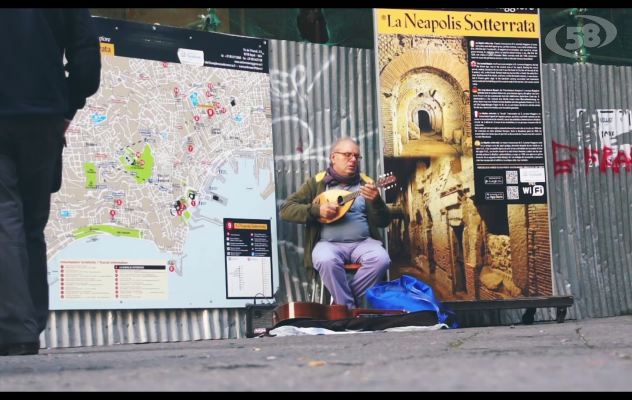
(179, 213)
(210, 86)
(164, 64)
(210, 112)
(137, 154)
(171, 269)
(113, 213)
(190, 149)
(196, 118)
(119, 202)
(142, 162)
(176, 91)
(193, 203)
(208, 94)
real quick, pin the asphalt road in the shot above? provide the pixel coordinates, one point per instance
(591, 355)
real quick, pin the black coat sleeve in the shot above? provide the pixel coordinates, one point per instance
(83, 57)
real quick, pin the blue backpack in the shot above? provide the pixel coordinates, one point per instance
(410, 294)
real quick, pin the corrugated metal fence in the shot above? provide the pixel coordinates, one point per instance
(588, 120)
(321, 93)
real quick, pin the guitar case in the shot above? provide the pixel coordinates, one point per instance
(368, 323)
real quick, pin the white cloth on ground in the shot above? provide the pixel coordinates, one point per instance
(294, 331)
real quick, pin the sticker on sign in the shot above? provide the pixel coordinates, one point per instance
(191, 57)
(532, 174)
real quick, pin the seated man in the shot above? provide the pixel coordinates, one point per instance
(354, 238)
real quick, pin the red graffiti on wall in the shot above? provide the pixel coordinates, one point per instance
(564, 166)
(606, 159)
(621, 159)
(564, 160)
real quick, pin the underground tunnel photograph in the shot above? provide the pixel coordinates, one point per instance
(464, 250)
(424, 95)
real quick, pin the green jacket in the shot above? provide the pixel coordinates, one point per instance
(299, 209)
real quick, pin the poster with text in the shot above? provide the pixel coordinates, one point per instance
(177, 140)
(461, 116)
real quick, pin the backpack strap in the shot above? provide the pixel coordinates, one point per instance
(320, 176)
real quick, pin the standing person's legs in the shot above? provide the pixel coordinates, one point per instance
(43, 141)
(375, 262)
(29, 148)
(18, 323)
(328, 259)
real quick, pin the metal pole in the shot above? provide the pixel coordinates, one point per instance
(582, 52)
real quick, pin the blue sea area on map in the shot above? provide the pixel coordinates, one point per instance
(194, 99)
(97, 119)
(203, 284)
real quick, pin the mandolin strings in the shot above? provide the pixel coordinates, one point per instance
(349, 197)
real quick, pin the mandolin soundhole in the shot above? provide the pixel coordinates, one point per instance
(340, 200)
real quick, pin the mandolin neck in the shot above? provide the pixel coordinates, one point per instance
(350, 197)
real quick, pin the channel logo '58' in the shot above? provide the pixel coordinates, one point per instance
(586, 35)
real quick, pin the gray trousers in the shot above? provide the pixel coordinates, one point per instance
(29, 150)
(329, 259)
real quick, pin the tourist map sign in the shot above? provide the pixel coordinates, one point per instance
(177, 138)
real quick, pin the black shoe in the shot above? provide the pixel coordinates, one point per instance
(19, 349)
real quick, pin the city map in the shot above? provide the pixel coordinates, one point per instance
(154, 162)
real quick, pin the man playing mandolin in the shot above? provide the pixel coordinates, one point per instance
(354, 238)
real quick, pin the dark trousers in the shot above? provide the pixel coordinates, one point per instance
(30, 149)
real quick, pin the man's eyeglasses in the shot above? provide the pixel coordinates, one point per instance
(349, 155)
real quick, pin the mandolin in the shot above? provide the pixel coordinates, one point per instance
(312, 310)
(345, 199)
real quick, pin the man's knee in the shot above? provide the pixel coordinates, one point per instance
(383, 263)
(324, 258)
(378, 258)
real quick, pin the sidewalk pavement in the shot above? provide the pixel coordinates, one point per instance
(588, 355)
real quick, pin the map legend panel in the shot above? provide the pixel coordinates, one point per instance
(83, 280)
(248, 253)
